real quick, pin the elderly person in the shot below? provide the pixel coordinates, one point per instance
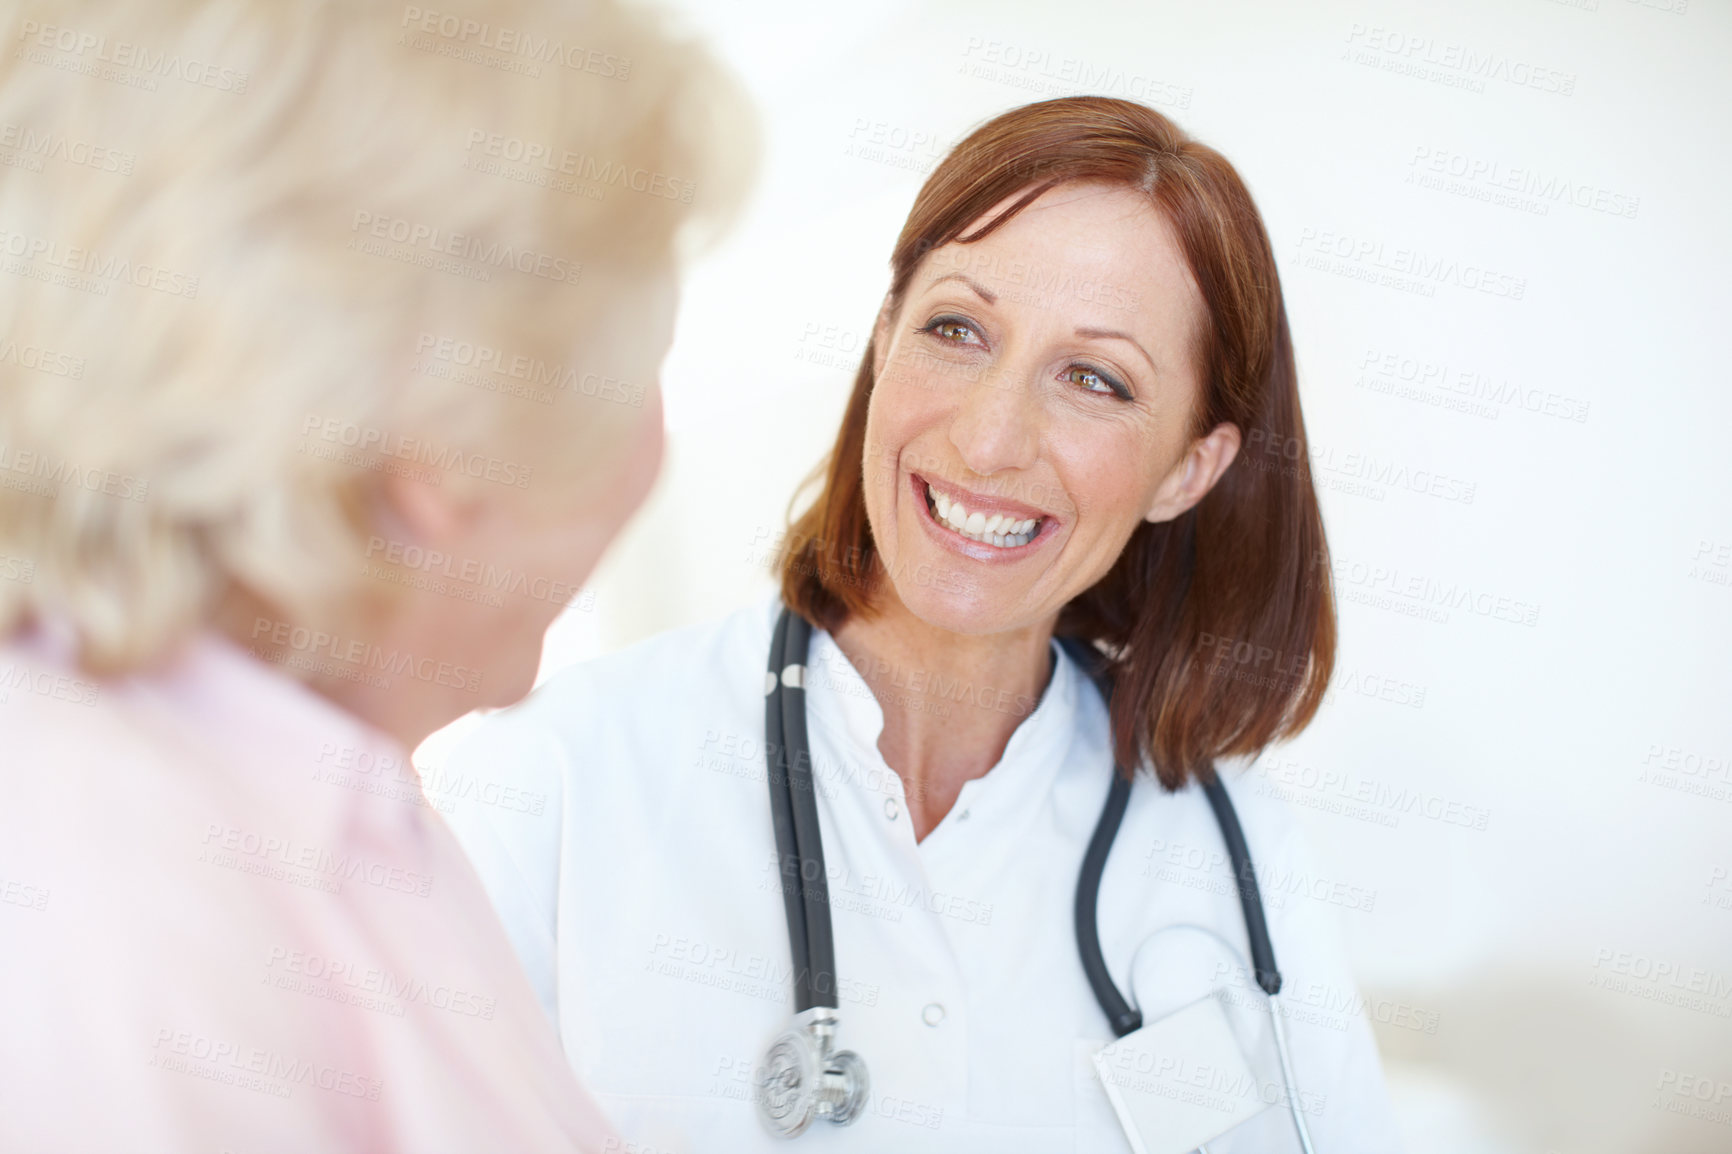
(1060, 530)
(332, 338)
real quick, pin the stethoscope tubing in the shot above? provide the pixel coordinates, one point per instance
(794, 813)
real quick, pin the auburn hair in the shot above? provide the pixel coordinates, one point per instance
(1218, 627)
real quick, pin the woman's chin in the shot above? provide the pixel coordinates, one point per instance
(974, 610)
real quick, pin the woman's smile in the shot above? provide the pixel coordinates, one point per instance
(978, 526)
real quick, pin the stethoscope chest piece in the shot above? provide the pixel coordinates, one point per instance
(801, 1078)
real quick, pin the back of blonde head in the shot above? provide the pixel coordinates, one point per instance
(254, 252)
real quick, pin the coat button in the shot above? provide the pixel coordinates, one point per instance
(932, 1014)
(891, 809)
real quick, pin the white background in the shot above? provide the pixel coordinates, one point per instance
(1511, 969)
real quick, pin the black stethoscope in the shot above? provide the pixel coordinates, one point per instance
(802, 1076)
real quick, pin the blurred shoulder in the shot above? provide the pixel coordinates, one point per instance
(207, 731)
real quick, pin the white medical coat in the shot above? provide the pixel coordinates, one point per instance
(620, 820)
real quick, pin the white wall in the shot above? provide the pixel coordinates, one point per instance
(1559, 458)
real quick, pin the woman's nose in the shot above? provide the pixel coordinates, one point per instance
(997, 421)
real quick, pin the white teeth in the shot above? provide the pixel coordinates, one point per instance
(998, 530)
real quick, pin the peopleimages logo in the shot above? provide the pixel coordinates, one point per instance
(446, 458)
(1370, 259)
(1545, 188)
(350, 977)
(330, 865)
(448, 357)
(364, 655)
(519, 42)
(254, 1067)
(472, 571)
(46, 144)
(30, 250)
(125, 54)
(415, 235)
(1456, 65)
(580, 165)
(57, 473)
(43, 360)
(18, 678)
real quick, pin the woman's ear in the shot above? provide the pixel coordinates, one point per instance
(421, 514)
(1190, 480)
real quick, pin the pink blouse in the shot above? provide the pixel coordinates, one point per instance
(230, 921)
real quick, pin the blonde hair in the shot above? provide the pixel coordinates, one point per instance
(264, 249)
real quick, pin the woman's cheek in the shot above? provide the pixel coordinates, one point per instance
(1107, 488)
(918, 371)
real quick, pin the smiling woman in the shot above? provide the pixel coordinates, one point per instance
(1038, 480)
(1109, 281)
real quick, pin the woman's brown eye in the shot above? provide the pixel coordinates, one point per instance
(1095, 381)
(949, 330)
(1090, 380)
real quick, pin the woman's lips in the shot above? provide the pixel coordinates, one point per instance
(980, 527)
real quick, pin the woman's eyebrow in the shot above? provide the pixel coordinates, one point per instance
(990, 298)
(1114, 334)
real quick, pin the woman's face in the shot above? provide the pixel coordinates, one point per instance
(539, 547)
(1032, 404)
